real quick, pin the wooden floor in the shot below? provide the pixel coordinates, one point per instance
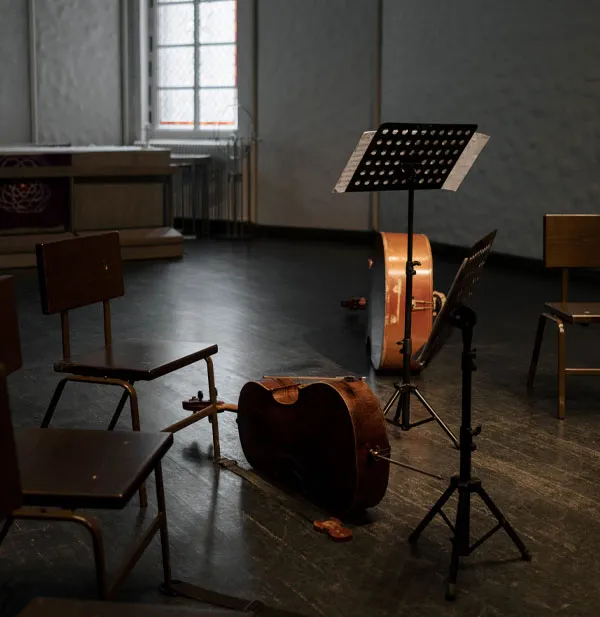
(274, 307)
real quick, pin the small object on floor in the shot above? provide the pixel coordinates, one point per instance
(355, 304)
(335, 529)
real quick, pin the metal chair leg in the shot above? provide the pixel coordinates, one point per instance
(214, 418)
(535, 356)
(164, 534)
(69, 516)
(99, 559)
(54, 402)
(562, 369)
(6, 528)
(135, 425)
(126, 385)
(113, 421)
(158, 525)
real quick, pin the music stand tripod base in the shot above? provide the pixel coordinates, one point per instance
(464, 483)
(403, 392)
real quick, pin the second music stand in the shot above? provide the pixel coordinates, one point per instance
(455, 314)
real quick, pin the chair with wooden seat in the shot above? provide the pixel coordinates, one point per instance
(570, 241)
(52, 474)
(87, 270)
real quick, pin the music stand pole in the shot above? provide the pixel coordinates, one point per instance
(404, 401)
(406, 388)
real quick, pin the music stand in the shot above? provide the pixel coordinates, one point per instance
(411, 157)
(456, 314)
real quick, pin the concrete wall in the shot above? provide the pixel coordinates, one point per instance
(315, 99)
(78, 69)
(527, 72)
(14, 76)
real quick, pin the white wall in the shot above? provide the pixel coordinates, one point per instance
(78, 72)
(528, 72)
(315, 99)
(79, 75)
(14, 72)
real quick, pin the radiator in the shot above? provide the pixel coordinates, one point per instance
(228, 176)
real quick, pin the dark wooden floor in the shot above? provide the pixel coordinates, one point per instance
(273, 307)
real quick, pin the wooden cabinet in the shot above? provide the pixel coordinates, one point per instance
(50, 192)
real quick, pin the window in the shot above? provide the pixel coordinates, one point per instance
(194, 65)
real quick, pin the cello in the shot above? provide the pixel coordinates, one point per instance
(385, 304)
(387, 296)
(324, 437)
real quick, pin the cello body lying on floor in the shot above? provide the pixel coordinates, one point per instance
(318, 437)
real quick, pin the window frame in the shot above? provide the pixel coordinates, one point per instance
(152, 120)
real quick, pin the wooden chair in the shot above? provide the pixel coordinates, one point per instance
(570, 241)
(61, 471)
(86, 270)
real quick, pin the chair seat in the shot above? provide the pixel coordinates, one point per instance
(74, 469)
(575, 312)
(67, 607)
(136, 360)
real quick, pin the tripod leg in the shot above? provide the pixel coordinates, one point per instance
(451, 589)
(439, 504)
(460, 541)
(435, 416)
(403, 410)
(493, 508)
(389, 404)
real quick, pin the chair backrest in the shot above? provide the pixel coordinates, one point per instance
(10, 360)
(78, 272)
(11, 496)
(10, 342)
(571, 241)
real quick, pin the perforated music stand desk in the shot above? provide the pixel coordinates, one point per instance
(460, 292)
(411, 157)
